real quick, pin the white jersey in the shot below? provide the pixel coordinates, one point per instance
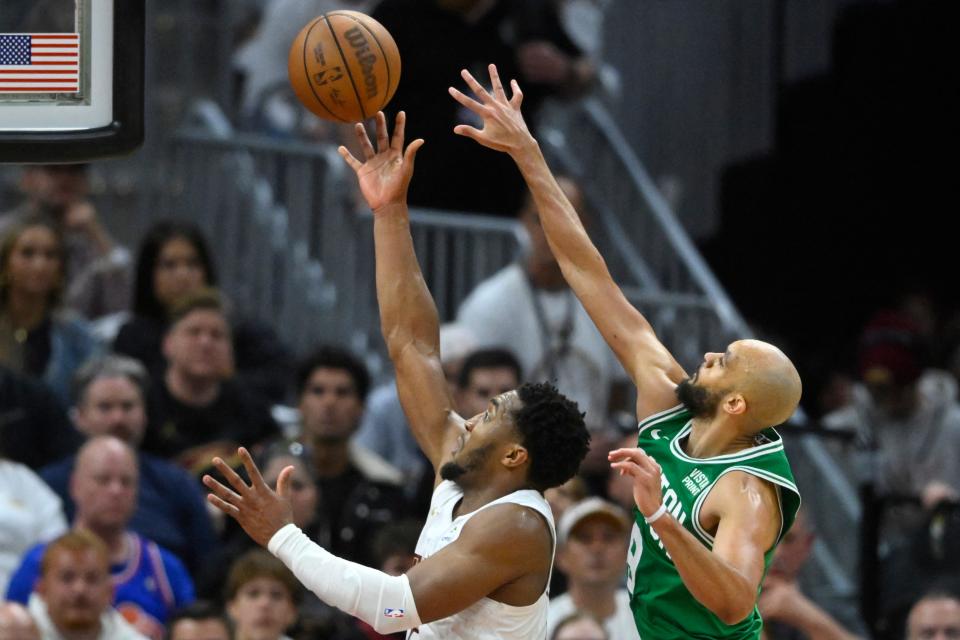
(486, 619)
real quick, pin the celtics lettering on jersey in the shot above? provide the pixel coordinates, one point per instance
(662, 606)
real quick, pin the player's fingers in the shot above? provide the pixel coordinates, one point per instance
(466, 101)
(467, 131)
(352, 162)
(383, 138)
(411, 153)
(496, 84)
(232, 476)
(252, 471)
(399, 130)
(364, 141)
(517, 99)
(283, 481)
(226, 507)
(221, 491)
(475, 86)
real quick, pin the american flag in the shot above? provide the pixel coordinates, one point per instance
(39, 62)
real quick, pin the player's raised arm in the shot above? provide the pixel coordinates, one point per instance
(647, 361)
(408, 315)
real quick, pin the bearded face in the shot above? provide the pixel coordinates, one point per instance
(699, 400)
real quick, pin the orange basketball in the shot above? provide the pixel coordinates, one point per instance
(344, 66)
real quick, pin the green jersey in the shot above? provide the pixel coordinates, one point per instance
(662, 606)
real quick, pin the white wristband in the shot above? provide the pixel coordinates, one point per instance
(656, 514)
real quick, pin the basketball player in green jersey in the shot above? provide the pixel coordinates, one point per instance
(713, 488)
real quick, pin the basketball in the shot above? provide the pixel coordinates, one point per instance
(344, 66)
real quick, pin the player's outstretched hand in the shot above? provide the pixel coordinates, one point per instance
(385, 172)
(644, 472)
(503, 126)
(260, 510)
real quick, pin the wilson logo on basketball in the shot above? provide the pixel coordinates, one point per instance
(365, 57)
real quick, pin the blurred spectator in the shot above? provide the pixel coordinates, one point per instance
(524, 38)
(149, 581)
(788, 613)
(36, 337)
(171, 510)
(619, 488)
(304, 498)
(34, 428)
(936, 616)
(592, 553)
(547, 327)
(267, 103)
(199, 621)
(262, 597)
(485, 374)
(97, 269)
(905, 414)
(199, 408)
(579, 625)
(16, 623)
(174, 261)
(383, 428)
(360, 490)
(30, 513)
(565, 496)
(72, 598)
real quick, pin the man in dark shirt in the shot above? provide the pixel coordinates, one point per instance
(199, 409)
(34, 430)
(438, 38)
(360, 491)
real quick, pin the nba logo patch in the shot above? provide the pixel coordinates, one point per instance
(393, 613)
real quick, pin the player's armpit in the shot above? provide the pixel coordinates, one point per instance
(503, 552)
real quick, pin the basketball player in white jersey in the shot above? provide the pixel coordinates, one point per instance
(486, 550)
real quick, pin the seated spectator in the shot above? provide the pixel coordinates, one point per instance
(34, 427)
(360, 490)
(592, 552)
(149, 581)
(788, 613)
(198, 408)
(37, 338)
(262, 597)
(485, 374)
(16, 623)
(174, 261)
(383, 428)
(579, 625)
(30, 513)
(171, 509)
(546, 328)
(98, 269)
(907, 415)
(72, 598)
(935, 616)
(199, 621)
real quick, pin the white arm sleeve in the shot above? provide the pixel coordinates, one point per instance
(382, 601)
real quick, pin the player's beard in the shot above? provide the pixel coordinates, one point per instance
(698, 400)
(457, 471)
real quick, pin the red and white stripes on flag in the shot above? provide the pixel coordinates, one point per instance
(39, 62)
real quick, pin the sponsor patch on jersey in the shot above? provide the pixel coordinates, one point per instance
(696, 481)
(393, 613)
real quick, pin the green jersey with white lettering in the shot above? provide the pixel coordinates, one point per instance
(662, 606)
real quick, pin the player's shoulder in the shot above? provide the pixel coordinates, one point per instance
(522, 528)
(732, 487)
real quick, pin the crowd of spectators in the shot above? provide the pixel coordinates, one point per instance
(123, 373)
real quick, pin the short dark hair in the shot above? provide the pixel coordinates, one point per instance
(145, 301)
(332, 357)
(199, 610)
(258, 563)
(203, 299)
(553, 431)
(495, 358)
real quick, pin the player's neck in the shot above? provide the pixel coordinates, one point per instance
(714, 437)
